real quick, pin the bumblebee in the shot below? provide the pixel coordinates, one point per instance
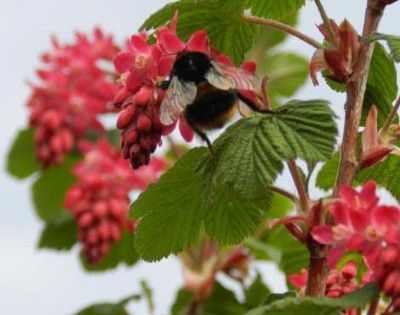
(205, 91)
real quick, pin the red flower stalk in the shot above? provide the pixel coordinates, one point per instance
(339, 282)
(339, 59)
(72, 92)
(100, 199)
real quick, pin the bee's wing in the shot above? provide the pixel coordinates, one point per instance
(227, 77)
(178, 96)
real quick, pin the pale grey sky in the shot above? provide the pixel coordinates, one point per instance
(48, 283)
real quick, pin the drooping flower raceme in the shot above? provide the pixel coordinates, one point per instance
(72, 91)
(362, 225)
(142, 69)
(100, 201)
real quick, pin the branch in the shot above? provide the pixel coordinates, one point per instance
(282, 27)
(299, 183)
(284, 192)
(355, 90)
(373, 306)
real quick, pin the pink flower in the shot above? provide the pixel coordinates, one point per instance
(139, 63)
(360, 224)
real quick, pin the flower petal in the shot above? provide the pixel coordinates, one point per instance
(139, 44)
(123, 62)
(185, 129)
(199, 42)
(249, 66)
(169, 41)
(135, 79)
(323, 234)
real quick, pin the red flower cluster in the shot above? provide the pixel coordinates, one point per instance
(73, 90)
(142, 68)
(339, 282)
(361, 225)
(100, 201)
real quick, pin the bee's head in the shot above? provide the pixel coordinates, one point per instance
(192, 66)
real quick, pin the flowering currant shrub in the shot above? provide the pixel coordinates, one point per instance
(140, 191)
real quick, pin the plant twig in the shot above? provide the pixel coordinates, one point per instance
(355, 90)
(391, 116)
(327, 22)
(299, 183)
(282, 27)
(373, 306)
(318, 267)
(283, 192)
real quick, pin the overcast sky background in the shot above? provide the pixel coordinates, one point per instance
(48, 283)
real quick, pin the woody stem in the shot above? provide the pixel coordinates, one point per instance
(355, 90)
(282, 27)
(299, 183)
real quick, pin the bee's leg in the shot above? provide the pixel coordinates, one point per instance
(253, 106)
(201, 134)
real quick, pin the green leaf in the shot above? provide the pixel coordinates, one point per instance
(255, 294)
(250, 152)
(226, 194)
(222, 302)
(279, 206)
(278, 296)
(182, 302)
(385, 173)
(223, 21)
(117, 308)
(171, 210)
(393, 44)
(21, 160)
(122, 252)
(381, 85)
(327, 175)
(287, 72)
(317, 306)
(272, 9)
(59, 234)
(48, 190)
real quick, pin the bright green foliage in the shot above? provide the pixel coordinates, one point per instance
(279, 296)
(327, 175)
(118, 308)
(226, 194)
(287, 73)
(273, 9)
(122, 252)
(222, 19)
(221, 302)
(21, 160)
(59, 234)
(385, 173)
(393, 44)
(48, 191)
(381, 85)
(256, 293)
(318, 306)
(171, 210)
(182, 302)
